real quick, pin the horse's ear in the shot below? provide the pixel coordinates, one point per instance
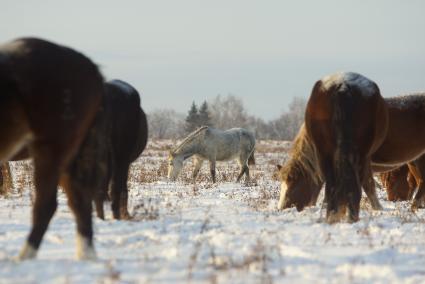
(279, 167)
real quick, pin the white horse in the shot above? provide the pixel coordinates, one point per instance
(211, 144)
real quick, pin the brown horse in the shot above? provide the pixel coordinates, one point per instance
(126, 137)
(118, 137)
(402, 145)
(400, 183)
(346, 120)
(49, 96)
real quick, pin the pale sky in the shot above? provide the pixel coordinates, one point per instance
(265, 52)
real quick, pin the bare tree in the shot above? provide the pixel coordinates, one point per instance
(227, 112)
(166, 123)
(287, 125)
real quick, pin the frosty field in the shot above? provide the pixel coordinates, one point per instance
(214, 233)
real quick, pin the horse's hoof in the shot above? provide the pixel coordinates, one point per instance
(124, 215)
(417, 205)
(101, 216)
(377, 207)
(27, 252)
(89, 254)
(85, 249)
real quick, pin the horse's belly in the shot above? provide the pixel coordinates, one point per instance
(395, 156)
(227, 156)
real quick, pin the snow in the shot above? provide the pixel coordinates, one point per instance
(367, 86)
(215, 233)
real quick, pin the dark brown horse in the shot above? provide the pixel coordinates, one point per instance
(126, 137)
(118, 137)
(49, 96)
(346, 119)
(400, 183)
(402, 145)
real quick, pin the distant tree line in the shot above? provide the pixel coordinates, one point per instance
(224, 112)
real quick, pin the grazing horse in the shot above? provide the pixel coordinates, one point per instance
(211, 144)
(347, 120)
(404, 143)
(126, 137)
(400, 183)
(302, 180)
(49, 96)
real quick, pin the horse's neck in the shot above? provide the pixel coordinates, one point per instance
(306, 159)
(189, 149)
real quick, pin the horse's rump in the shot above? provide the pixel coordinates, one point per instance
(346, 119)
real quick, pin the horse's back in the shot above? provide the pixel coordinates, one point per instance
(57, 88)
(228, 144)
(358, 101)
(405, 138)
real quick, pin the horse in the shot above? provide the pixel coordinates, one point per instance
(121, 127)
(301, 181)
(126, 137)
(400, 183)
(49, 96)
(346, 119)
(404, 143)
(211, 144)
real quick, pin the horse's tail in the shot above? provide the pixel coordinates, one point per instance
(251, 139)
(347, 184)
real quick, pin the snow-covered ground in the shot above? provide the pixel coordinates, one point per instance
(215, 233)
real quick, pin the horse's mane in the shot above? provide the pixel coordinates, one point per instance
(189, 138)
(303, 159)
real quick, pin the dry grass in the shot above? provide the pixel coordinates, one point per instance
(266, 193)
(6, 183)
(146, 210)
(18, 178)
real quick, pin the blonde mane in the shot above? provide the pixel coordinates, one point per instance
(189, 139)
(303, 159)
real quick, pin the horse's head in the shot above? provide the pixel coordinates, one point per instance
(175, 165)
(296, 189)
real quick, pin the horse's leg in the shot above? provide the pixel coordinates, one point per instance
(243, 164)
(46, 178)
(120, 191)
(411, 181)
(212, 169)
(102, 192)
(198, 164)
(417, 168)
(370, 189)
(80, 198)
(101, 196)
(244, 170)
